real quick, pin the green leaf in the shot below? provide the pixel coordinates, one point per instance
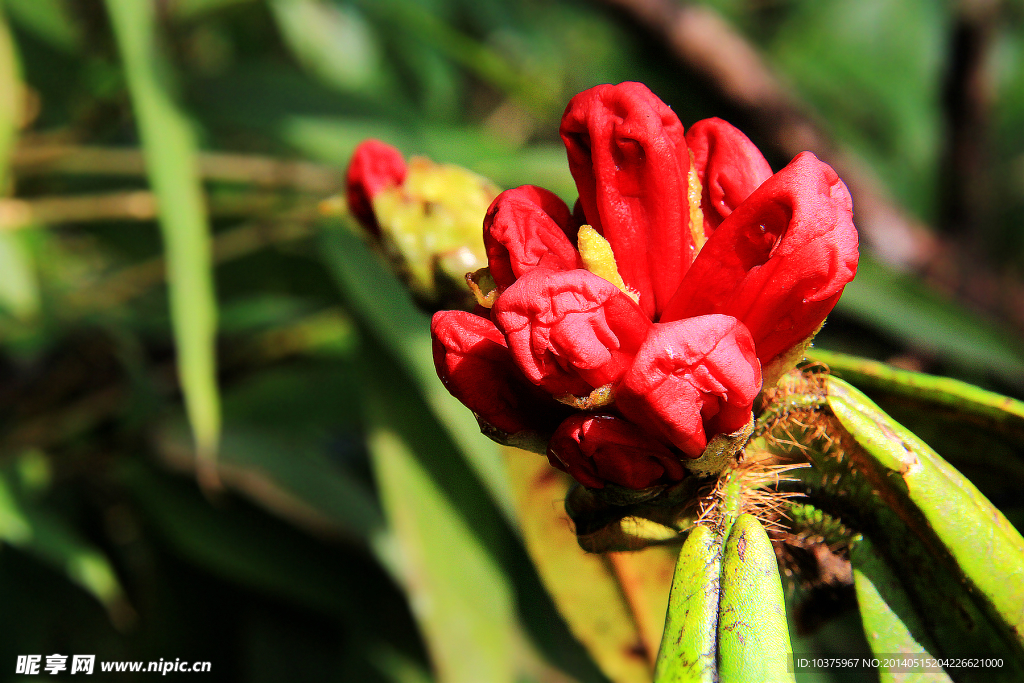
(462, 598)
(966, 401)
(891, 623)
(727, 612)
(332, 41)
(909, 311)
(619, 621)
(37, 530)
(690, 642)
(958, 558)
(50, 20)
(979, 539)
(384, 306)
(171, 164)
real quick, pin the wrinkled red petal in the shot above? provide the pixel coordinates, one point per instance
(375, 166)
(780, 261)
(692, 379)
(729, 166)
(569, 331)
(527, 228)
(601, 449)
(627, 152)
(475, 366)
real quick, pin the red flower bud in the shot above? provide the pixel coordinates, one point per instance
(474, 364)
(375, 166)
(570, 331)
(729, 166)
(779, 262)
(627, 152)
(692, 379)
(527, 228)
(601, 449)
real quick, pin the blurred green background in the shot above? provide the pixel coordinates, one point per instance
(222, 437)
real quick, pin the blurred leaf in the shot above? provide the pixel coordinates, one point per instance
(334, 139)
(19, 287)
(39, 531)
(332, 41)
(262, 553)
(615, 622)
(908, 310)
(462, 598)
(384, 306)
(171, 163)
(11, 99)
(873, 70)
(890, 622)
(50, 20)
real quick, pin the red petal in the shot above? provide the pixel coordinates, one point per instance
(569, 331)
(692, 379)
(375, 166)
(729, 166)
(627, 152)
(474, 364)
(601, 449)
(527, 228)
(780, 261)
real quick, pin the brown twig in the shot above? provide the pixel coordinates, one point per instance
(968, 96)
(35, 159)
(131, 205)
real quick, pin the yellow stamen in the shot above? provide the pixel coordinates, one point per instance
(481, 283)
(599, 259)
(693, 193)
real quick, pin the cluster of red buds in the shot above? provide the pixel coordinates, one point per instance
(628, 332)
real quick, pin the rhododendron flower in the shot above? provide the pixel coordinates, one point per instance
(630, 332)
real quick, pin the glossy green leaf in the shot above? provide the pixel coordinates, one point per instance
(690, 643)
(956, 555)
(170, 148)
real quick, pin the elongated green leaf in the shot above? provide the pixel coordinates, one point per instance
(959, 560)
(753, 636)
(891, 624)
(909, 311)
(19, 289)
(585, 586)
(462, 598)
(727, 613)
(994, 410)
(35, 529)
(11, 100)
(690, 642)
(170, 150)
(982, 543)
